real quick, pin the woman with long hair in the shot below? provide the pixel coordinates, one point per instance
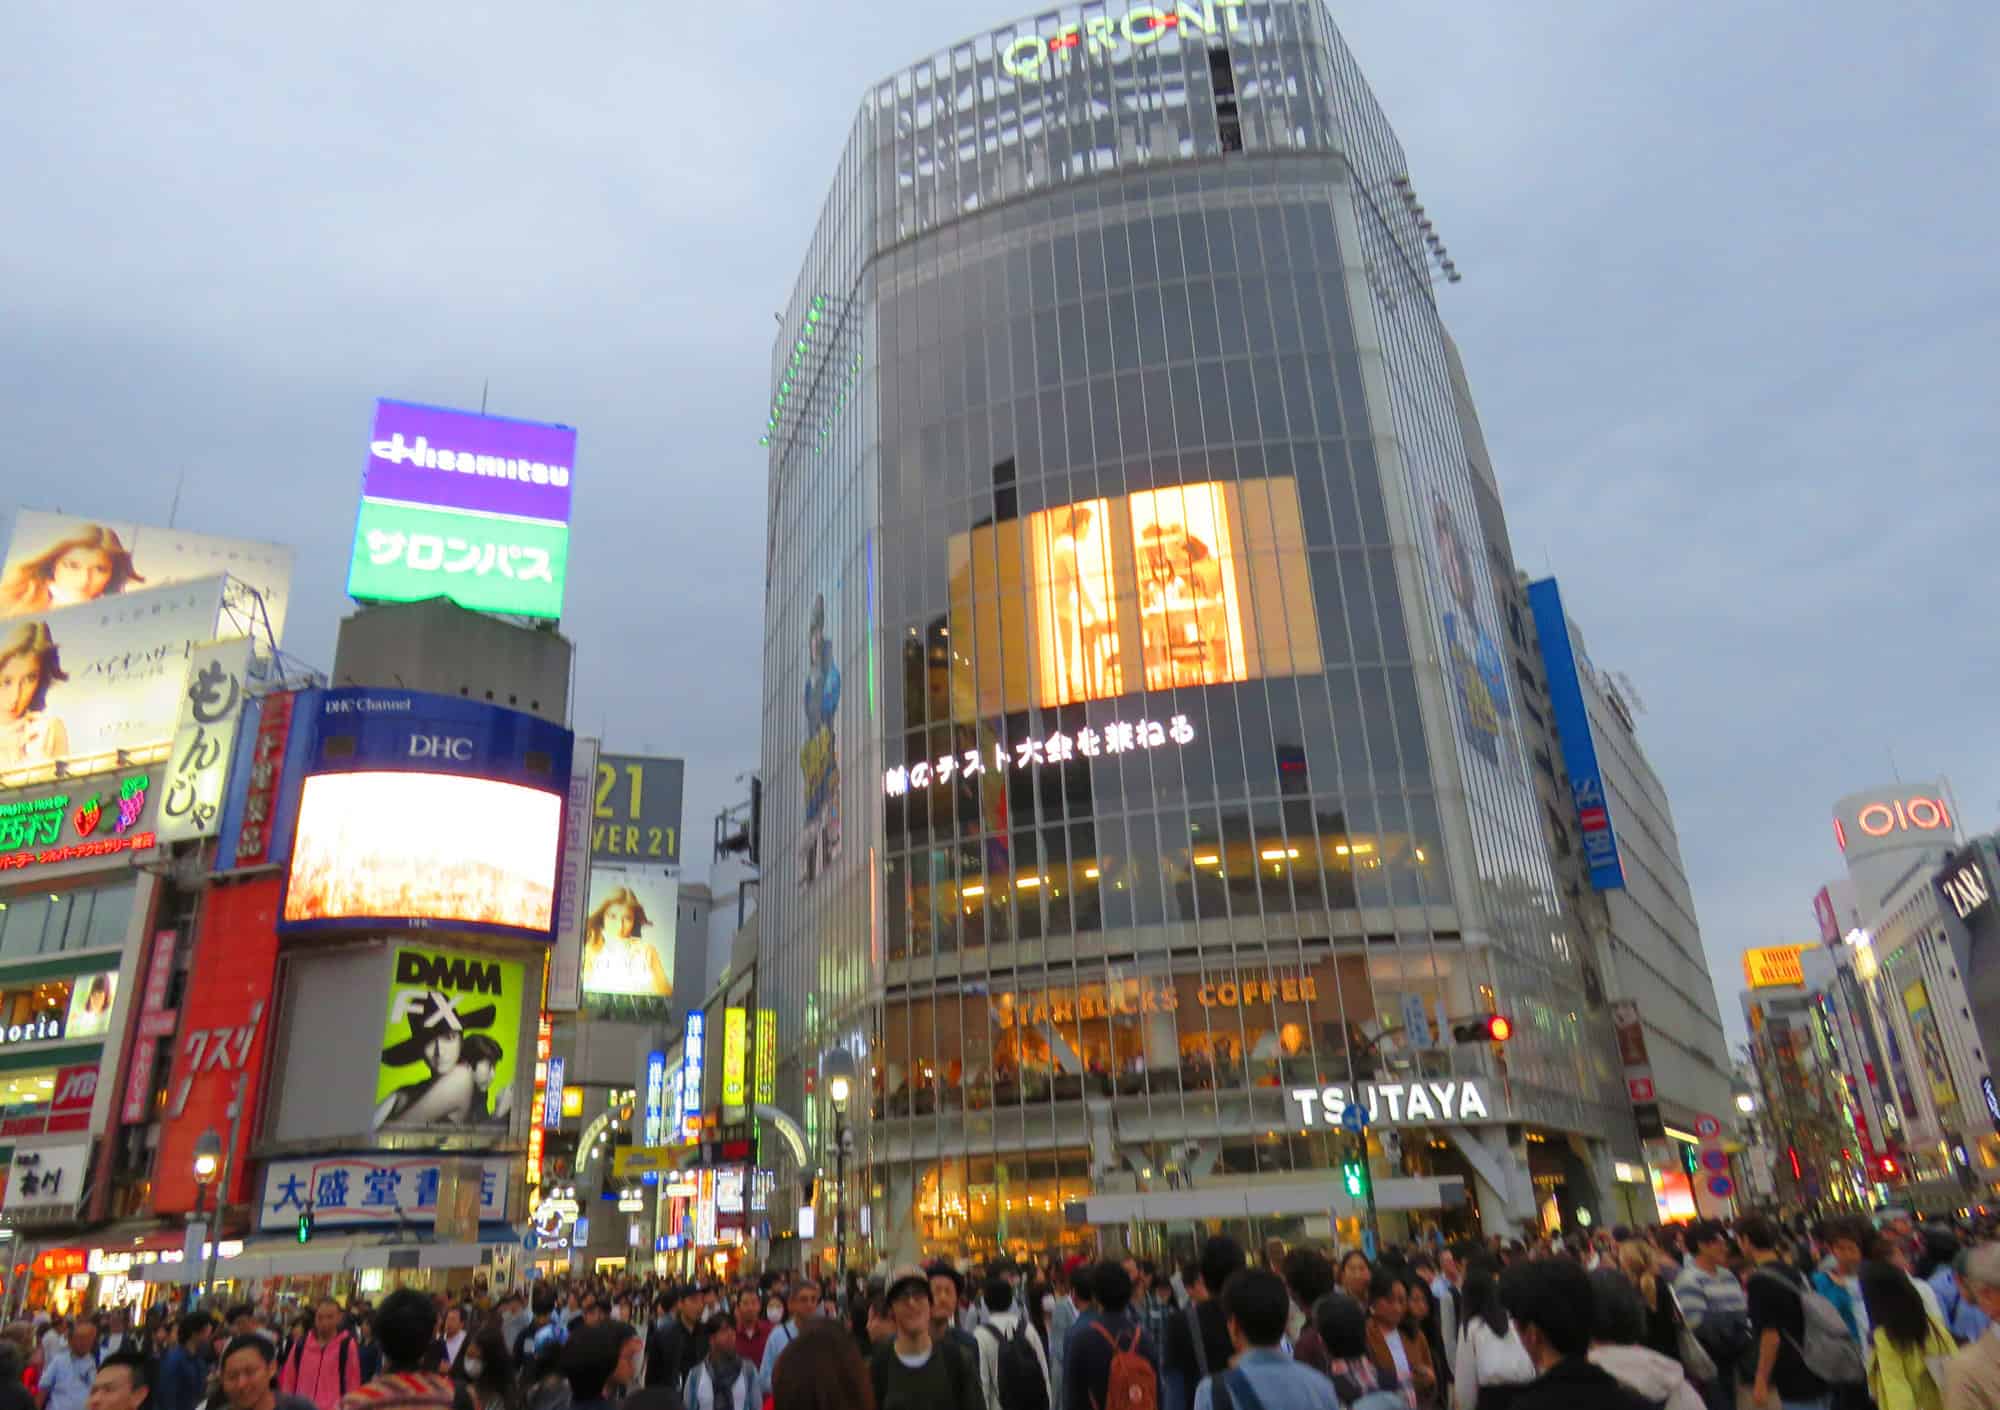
(488, 1369)
(1910, 1344)
(30, 664)
(617, 958)
(1356, 1273)
(1423, 1321)
(822, 1370)
(1397, 1353)
(1491, 1365)
(1640, 1265)
(91, 563)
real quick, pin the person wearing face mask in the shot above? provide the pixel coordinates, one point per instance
(488, 1371)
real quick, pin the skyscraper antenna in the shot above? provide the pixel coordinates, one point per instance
(174, 509)
(1894, 772)
(484, 384)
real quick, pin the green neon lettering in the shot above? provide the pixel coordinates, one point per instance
(1196, 16)
(1097, 31)
(1023, 58)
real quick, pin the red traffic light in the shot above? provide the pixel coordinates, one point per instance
(1492, 1028)
(1888, 1165)
(1499, 1028)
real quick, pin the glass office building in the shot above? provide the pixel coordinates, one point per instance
(1138, 751)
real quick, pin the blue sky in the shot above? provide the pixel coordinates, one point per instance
(1729, 314)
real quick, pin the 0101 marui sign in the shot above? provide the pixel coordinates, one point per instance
(467, 507)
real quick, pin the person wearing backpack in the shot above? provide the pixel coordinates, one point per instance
(325, 1364)
(1013, 1367)
(1262, 1377)
(1109, 1361)
(1803, 1347)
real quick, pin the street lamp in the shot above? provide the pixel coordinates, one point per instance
(207, 1165)
(839, 1071)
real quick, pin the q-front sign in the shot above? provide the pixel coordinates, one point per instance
(1103, 38)
(1395, 1103)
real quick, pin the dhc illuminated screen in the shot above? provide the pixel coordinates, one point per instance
(430, 848)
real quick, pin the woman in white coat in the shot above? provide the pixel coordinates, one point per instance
(1490, 1365)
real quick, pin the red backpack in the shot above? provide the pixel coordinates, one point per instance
(1134, 1385)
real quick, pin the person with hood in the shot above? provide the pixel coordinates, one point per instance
(1550, 1301)
(724, 1380)
(1491, 1364)
(1906, 1371)
(1617, 1345)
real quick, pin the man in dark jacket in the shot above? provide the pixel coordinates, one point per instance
(678, 1347)
(1553, 1308)
(1088, 1352)
(1187, 1361)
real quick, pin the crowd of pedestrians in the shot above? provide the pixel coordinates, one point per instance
(1841, 1316)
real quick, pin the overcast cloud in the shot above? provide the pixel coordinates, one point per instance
(1730, 313)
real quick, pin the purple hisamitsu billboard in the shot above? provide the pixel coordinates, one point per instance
(427, 455)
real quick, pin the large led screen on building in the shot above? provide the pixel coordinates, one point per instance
(60, 560)
(88, 681)
(436, 849)
(463, 506)
(628, 938)
(1186, 585)
(449, 1043)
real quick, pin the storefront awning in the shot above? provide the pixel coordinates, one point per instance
(1321, 1196)
(280, 1261)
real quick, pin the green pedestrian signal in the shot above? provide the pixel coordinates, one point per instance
(305, 1228)
(1356, 1173)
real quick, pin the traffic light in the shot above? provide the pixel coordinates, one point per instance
(1355, 1172)
(1492, 1028)
(306, 1227)
(1890, 1170)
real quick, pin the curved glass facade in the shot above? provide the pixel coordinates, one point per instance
(1138, 753)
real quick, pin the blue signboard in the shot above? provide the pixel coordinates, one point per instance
(1579, 750)
(371, 730)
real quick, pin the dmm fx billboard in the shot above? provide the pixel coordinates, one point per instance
(1108, 38)
(449, 1043)
(427, 810)
(1579, 750)
(1394, 1103)
(473, 508)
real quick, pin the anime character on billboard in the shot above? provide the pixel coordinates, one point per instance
(1478, 676)
(819, 756)
(89, 561)
(459, 1088)
(618, 958)
(29, 665)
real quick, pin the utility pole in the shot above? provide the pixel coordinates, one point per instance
(222, 1189)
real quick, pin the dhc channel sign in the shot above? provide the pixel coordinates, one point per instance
(368, 730)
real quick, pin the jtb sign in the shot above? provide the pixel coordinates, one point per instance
(1394, 1103)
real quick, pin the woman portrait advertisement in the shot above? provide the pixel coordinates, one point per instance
(90, 1006)
(617, 956)
(29, 665)
(451, 1093)
(87, 563)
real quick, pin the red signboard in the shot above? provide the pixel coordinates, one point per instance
(156, 1021)
(267, 769)
(68, 1108)
(225, 1023)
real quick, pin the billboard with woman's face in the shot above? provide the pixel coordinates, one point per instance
(102, 676)
(628, 938)
(59, 560)
(449, 1045)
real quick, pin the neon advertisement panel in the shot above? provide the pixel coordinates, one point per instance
(424, 849)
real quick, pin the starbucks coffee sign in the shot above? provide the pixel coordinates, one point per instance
(1394, 1103)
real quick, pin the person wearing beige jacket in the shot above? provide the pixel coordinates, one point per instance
(1972, 1380)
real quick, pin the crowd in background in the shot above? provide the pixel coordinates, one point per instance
(1844, 1315)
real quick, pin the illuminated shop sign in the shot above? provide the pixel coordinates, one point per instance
(59, 1008)
(1394, 1103)
(1134, 997)
(100, 823)
(1032, 57)
(1774, 967)
(1965, 886)
(692, 1041)
(1878, 818)
(1118, 737)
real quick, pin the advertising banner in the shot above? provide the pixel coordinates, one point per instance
(350, 1191)
(1579, 747)
(1930, 1046)
(258, 811)
(47, 1179)
(636, 812)
(81, 819)
(425, 809)
(218, 675)
(156, 1021)
(628, 939)
(573, 885)
(1774, 967)
(694, 1042)
(448, 1059)
(59, 560)
(100, 677)
(767, 1057)
(735, 1055)
(58, 1010)
(225, 1027)
(473, 508)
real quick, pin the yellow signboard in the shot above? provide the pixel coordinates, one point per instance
(633, 1161)
(572, 1101)
(735, 1052)
(767, 1057)
(1774, 967)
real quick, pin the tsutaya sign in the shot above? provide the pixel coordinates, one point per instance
(1395, 1103)
(1033, 57)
